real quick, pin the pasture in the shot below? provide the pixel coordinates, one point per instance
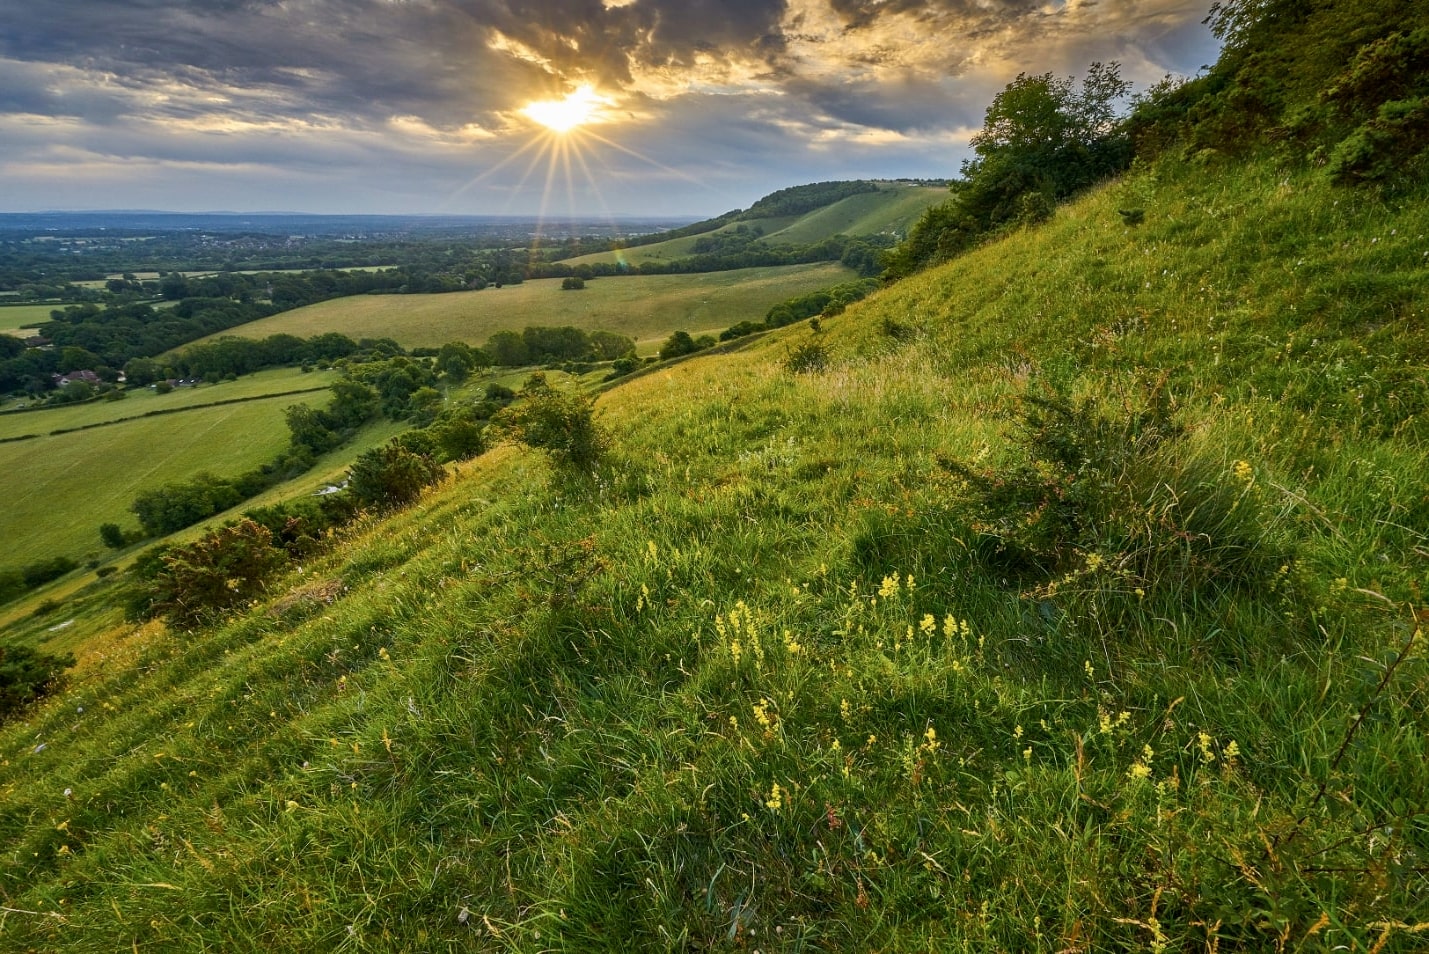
(63, 487)
(14, 318)
(645, 307)
(146, 402)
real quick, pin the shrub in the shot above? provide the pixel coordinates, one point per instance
(222, 570)
(573, 283)
(562, 425)
(392, 476)
(1104, 503)
(808, 357)
(27, 674)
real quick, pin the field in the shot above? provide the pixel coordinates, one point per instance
(645, 307)
(144, 402)
(62, 488)
(14, 317)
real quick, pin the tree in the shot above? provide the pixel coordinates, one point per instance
(112, 535)
(573, 283)
(678, 345)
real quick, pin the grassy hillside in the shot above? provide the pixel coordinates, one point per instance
(1072, 605)
(891, 210)
(645, 307)
(887, 212)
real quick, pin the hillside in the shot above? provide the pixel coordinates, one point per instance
(772, 679)
(889, 211)
(645, 307)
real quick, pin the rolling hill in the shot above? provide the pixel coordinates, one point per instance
(888, 212)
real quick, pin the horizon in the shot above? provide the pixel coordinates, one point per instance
(625, 108)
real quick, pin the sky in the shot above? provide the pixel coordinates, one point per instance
(676, 107)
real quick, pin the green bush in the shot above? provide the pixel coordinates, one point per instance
(392, 476)
(221, 571)
(27, 674)
(1106, 502)
(808, 357)
(562, 425)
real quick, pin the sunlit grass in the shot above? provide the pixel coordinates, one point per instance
(753, 684)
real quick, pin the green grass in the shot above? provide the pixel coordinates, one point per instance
(62, 488)
(765, 681)
(645, 307)
(14, 318)
(145, 402)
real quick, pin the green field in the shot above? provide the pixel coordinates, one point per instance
(645, 307)
(892, 210)
(14, 317)
(62, 488)
(144, 401)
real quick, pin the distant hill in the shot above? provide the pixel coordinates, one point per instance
(803, 215)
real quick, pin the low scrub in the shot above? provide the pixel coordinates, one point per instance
(1104, 505)
(26, 675)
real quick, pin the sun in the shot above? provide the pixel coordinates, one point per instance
(580, 108)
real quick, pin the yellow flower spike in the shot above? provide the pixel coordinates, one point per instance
(889, 587)
(1017, 731)
(928, 624)
(1243, 471)
(1139, 771)
(845, 710)
(386, 656)
(1027, 754)
(908, 582)
(950, 626)
(1231, 751)
(776, 798)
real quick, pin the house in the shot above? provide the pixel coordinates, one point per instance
(88, 377)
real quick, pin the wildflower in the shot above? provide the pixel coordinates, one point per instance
(761, 714)
(845, 710)
(1203, 742)
(386, 656)
(734, 723)
(791, 644)
(871, 740)
(1139, 771)
(1243, 471)
(928, 624)
(776, 798)
(1232, 751)
(1017, 732)
(889, 588)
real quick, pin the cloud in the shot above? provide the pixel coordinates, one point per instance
(378, 91)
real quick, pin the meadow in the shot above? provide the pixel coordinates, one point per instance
(13, 318)
(147, 402)
(645, 307)
(73, 482)
(1069, 601)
